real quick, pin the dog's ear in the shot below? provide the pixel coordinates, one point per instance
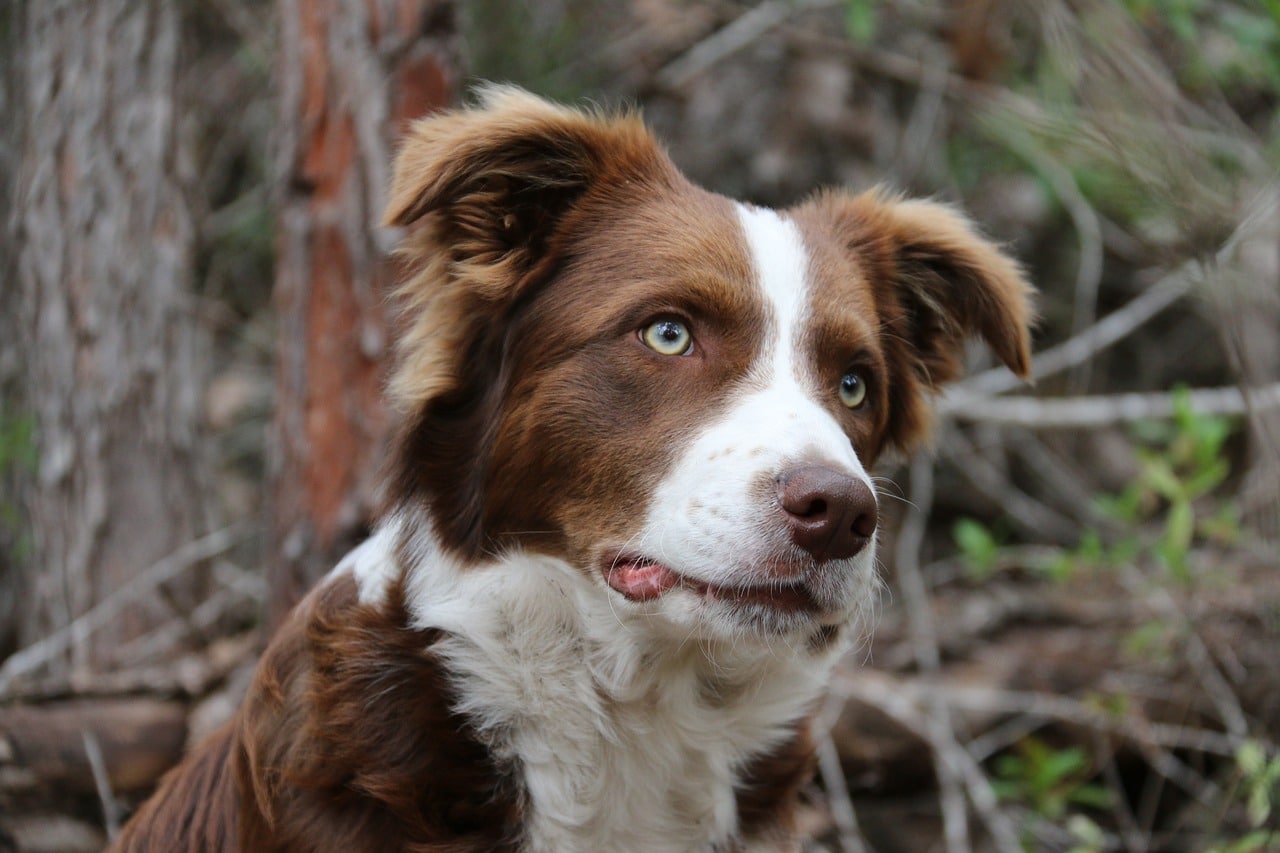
(936, 282)
(491, 195)
(503, 174)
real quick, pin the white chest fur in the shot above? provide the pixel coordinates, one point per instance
(627, 739)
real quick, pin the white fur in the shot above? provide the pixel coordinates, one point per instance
(631, 724)
(628, 738)
(371, 565)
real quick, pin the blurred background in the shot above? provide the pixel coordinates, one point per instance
(1079, 644)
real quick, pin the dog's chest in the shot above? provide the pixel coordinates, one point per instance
(621, 747)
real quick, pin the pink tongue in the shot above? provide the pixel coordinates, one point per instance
(641, 581)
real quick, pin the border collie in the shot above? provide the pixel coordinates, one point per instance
(631, 525)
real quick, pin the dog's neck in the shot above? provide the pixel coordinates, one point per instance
(627, 736)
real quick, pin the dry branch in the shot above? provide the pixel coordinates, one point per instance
(39, 653)
(43, 747)
(956, 771)
(1104, 410)
(739, 33)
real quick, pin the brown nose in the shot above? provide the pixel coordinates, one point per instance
(829, 514)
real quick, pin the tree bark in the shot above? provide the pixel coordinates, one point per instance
(103, 238)
(353, 73)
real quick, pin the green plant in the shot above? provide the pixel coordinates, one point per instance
(1048, 780)
(17, 457)
(978, 547)
(1259, 783)
(1181, 462)
(1261, 778)
(1088, 836)
(860, 20)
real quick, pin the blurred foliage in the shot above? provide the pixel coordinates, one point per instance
(17, 458)
(536, 43)
(1048, 780)
(1167, 509)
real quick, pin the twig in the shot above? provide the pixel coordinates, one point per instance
(238, 586)
(1087, 224)
(41, 652)
(1216, 687)
(898, 698)
(1028, 513)
(189, 676)
(1127, 822)
(903, 706)
(168, 635)
(1105, 410)
(924, 641)
(1072, 493)
(846, 819)
(1079, 348)
(1118, 324)
(1046, 707)
(923, 122)
(748, 27)
(101, 781)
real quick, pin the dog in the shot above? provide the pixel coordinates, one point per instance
(631, 526)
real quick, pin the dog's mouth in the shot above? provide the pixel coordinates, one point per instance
(642, 579)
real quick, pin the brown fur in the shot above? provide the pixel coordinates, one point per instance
(345, 742)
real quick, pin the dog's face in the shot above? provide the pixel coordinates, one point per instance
(678, 395)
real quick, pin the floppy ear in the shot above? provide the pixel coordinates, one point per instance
(501, 176)
(936, 282)
(489, 188)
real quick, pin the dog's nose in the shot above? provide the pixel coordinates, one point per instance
(829, 514)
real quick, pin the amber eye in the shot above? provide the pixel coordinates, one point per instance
(853, 390)
(667, 337)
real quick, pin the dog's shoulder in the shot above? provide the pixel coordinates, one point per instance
(345, 741)
(350, 734)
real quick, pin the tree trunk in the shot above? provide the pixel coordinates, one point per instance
(353, 72)
(106, 330)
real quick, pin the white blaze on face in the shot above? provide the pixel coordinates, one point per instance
(711, 520)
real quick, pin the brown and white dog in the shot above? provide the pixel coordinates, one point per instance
(632, 524)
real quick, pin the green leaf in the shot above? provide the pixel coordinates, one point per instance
(1207, 478)
(1158, 474)
(1250, 758)
(1147, 640)
(1091, 796)
(1259, 805)
(860, 20)
(1180, 526)
(1058, 569)
(1062, 763)
(977, 546)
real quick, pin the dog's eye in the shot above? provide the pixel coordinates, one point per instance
(853, 390)
(667, 337)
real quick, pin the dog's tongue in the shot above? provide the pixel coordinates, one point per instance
(640, 580)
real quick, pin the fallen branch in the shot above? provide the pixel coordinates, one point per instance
(903, 707)
(842, 812)
(1077, 349)
(43, 651)
(127, 744)
(742, 31)
(1111, 409)
(1044, 706)
(956, 771)
(98, 765)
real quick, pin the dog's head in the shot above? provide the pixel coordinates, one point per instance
(678, 395)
